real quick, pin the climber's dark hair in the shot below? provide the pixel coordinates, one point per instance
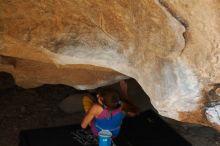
(110, 96)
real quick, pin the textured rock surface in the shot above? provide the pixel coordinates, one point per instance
(213, 114)
(202, 49)
(29, 73)
(171, 47)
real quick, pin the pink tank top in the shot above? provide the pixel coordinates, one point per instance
(108, 121)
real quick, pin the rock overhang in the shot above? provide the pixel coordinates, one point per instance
(126, 39)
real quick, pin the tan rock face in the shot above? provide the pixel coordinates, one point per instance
(171, 47)
(29, 73)
(202, 51)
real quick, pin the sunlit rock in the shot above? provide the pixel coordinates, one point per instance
(171, 47)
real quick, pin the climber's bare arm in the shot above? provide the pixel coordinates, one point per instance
(94, 111)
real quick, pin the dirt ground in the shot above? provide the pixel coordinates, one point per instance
(34, 108)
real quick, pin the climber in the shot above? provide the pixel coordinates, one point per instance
(109, 110)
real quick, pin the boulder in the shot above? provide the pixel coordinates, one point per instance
(72, 104)
(170, 47)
